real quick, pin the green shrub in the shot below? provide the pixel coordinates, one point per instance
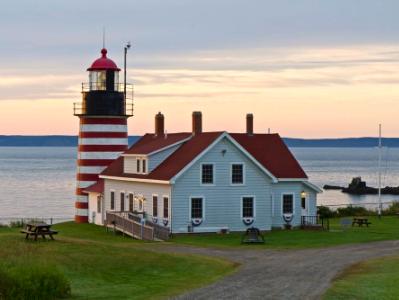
(17, 224)
(325, 212)
(354, 211)
(393, 209)
(26, 280)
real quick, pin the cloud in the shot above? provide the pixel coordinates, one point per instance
(221, 74)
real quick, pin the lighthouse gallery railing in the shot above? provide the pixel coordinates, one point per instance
(78, 108)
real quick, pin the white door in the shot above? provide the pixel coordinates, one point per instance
(304, 206)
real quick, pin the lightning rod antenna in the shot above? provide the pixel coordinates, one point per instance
(103, 37)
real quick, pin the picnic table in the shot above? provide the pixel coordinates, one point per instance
(38, 229)
(360, 221)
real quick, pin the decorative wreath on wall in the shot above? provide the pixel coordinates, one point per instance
(154, 219)
(248, 221)
(288, 218)
(165, 222)
(196, 221)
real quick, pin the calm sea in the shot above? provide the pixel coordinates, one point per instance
(40, 181)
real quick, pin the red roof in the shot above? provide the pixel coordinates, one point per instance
(150, 142)
(171, 165)
(268, 149)
(103, 63)
(97, 187)
(271, 151)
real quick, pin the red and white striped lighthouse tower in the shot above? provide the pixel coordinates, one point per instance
(103, 136)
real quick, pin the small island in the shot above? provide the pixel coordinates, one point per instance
(359, 187)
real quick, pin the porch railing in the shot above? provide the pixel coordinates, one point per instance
(131, 224)
(315, 221)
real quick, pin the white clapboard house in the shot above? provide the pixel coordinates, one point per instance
(205, 181)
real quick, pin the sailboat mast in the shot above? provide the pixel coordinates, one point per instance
(379, 172)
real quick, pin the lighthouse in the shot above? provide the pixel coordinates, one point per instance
(103, 112)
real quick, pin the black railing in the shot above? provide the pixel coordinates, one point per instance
(315, 222)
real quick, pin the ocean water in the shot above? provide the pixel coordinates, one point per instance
(40, 181)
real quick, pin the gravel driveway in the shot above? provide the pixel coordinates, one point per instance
(288, 274)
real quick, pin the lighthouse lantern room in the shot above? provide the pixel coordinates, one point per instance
(103, 112)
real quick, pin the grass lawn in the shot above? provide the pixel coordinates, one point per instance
(384, 229)
(103, 266)
(373, 279)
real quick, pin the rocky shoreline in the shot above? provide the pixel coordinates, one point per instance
(359, 187)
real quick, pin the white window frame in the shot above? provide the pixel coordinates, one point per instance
(128, 194)
(99, 201)
(144, 163)
(152, 205)
(124, 200)
(213, 174)
(203, 207)
(243, 174)
(306, 202)
(110, 206)
(163, 208)
(293, 202)
(138, 164)
(242, 206)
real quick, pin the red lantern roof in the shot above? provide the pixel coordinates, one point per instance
(103, 63)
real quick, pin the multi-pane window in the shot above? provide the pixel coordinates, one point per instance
(155, 206)
(98, 204)
(196, 208)
(207, 174)
(112, 200)
(288, 204)
(237, 173)
(131, 202)
(165, 207)
(122, 201)
(144, 165)
(247, 207)
(138, 165)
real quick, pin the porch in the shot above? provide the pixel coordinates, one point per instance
(315, 223)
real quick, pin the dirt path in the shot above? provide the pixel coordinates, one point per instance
(291, 274)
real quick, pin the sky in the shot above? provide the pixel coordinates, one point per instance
(304, 68)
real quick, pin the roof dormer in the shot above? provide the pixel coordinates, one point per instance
(135, 164)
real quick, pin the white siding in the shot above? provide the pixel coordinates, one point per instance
(130, 164)
(94, 216)
(278, 189)
(222, 200)
(145, 189)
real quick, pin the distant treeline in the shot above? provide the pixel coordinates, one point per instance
(365, 142)
(45, 140)
(72, 141)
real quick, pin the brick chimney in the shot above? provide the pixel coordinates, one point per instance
(250, 124)
(197, 122)
(159, 124)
